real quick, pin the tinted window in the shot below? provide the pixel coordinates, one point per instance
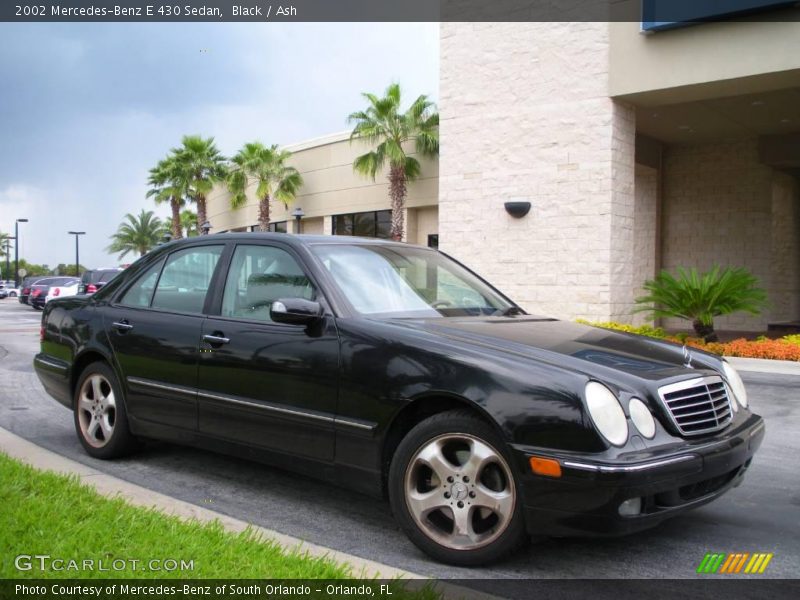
(258, 276)
(367, 224)
(184, 281)
(140, 293)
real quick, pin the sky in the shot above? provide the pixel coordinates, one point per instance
(87, 108)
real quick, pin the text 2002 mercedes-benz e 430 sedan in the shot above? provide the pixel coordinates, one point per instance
(393, 369)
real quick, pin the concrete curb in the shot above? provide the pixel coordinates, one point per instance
(110, 486)
(762, 365)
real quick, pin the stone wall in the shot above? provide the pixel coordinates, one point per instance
(525, 114)
(785, 246)
(718, 209)
(645, 232)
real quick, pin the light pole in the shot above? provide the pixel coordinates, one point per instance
(298, 214)
(16, 250)
(205, 228)
(77, 234)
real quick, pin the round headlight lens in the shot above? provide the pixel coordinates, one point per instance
(736, 383)
(606, 413)
(642, 418)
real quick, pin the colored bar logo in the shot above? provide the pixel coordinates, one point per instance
(738, 562)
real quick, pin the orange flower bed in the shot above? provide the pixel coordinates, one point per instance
(785, 348)
(771, 349)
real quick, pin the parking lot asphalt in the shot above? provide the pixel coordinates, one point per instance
(762, 515)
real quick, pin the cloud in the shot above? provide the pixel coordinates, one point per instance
(88, 108)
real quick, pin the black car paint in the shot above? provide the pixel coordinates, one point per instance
(342, 391)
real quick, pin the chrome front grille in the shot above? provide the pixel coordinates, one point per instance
(697, 406)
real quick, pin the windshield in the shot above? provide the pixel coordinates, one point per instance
(406, 281)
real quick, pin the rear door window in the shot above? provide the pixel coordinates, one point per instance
(141, 293)
(185, 279)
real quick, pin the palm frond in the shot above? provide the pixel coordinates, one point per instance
(137, 233)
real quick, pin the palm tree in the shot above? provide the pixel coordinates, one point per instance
(699, 298)
(169, 183)
(139, 233)
(189, 222)
(383, 124)
(202, 165)
(267, 166)
(3, 238)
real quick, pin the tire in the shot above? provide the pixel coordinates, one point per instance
(101, 421)
(441, 474)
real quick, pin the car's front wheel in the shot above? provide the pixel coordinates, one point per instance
(100, 417)
(454, 493)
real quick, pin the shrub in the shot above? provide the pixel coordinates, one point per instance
(649, 331)
(792, 339)
(699, 298)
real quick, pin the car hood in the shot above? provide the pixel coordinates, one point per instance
(570, 345)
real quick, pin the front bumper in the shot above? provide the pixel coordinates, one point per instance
(586, 499)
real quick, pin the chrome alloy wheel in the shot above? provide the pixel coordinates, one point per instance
(460, 491)
(97, 410)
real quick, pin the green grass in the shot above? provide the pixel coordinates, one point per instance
(50, 514)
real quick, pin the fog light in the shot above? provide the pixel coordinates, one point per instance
(545, 466)
(631, 508)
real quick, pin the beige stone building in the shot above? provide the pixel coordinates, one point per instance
(636, 152)
(333, 195)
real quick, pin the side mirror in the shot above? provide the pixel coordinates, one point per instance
(295, 311)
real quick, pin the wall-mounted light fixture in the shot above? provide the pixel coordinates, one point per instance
(298, 214)
(517, 208)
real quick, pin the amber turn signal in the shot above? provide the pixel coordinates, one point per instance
(545, 466)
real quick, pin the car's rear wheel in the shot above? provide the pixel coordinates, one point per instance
(454, 493)
(100, 418)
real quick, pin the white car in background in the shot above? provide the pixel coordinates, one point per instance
(59, 291)
(10, 290)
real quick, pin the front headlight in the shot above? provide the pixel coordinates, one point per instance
(641, 417)
(606, 413)
(736, 383)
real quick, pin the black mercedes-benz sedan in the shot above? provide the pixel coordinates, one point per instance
(395, 370)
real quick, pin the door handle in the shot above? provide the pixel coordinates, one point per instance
(122, 326)
(215, 339)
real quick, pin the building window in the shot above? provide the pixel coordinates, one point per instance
(274, 227)
(376, 224)
(433, 240)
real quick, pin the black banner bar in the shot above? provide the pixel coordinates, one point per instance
(267, 11)
(704, 588)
